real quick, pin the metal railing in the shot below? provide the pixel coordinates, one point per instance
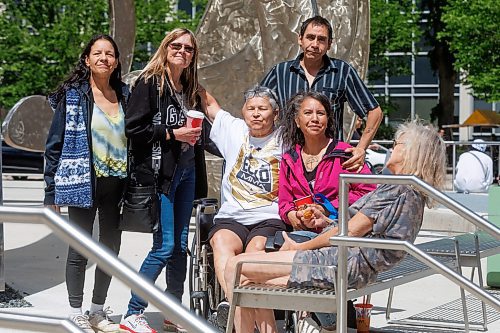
(453, 145)
(343, 241)
(107, 261)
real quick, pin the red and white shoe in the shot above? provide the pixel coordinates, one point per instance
(136, 323)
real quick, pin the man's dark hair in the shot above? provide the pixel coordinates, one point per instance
(317, 20)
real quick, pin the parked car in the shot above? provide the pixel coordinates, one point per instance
(376, 156)
(20, 162)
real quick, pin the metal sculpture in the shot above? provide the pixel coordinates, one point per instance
(241, 40)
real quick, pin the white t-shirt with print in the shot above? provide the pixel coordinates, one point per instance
(249, 188)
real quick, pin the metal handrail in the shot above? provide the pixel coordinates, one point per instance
(108, 262)
(344, 241)
(37, 323)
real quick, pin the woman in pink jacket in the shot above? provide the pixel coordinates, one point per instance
(313, 163)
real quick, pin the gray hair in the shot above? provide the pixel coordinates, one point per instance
(263, 92)
(425, 153)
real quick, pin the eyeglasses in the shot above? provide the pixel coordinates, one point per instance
(395, 143)
(179, 46)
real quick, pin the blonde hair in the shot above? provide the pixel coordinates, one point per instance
(425, 153)
(157, 66)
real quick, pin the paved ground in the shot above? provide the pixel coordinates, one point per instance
(34, 264)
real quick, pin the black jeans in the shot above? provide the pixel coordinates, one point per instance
(108, 195)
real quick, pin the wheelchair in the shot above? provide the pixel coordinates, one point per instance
(204, 288)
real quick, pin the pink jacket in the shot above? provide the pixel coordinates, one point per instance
(293, 184)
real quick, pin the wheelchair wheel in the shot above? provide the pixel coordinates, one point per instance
(198, 296)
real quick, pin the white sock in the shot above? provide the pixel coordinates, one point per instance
(96, 307)
(75, 311)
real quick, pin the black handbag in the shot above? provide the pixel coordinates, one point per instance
(140, 205)
(140, 209)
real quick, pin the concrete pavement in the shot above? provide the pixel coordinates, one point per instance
(35, 259)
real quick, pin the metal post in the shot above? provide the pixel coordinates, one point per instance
(2, 248)
(37, 323)
(453, 165)
(342, 259)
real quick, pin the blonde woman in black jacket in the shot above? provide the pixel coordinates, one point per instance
(169, 83)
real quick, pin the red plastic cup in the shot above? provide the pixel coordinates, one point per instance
(194, 118)
(363, 315)
(299, 203)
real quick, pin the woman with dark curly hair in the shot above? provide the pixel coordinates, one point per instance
(313, 162)
(86, 164)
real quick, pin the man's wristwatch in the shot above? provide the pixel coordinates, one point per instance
(171, 133)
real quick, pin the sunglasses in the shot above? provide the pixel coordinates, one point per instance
(179, 46)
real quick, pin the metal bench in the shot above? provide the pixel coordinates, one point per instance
(454, 252)
(322, 300)
(468, 249)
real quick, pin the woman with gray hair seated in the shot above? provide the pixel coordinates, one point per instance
(249, 190)
(389, 212)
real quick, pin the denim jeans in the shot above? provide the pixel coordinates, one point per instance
(170, 241)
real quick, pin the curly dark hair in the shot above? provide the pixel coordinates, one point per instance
(290, 133)
(81, 72)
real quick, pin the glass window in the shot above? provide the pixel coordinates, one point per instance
(482, 105)
(185, 5)
(400, 90)
(423, 44)
(426, 90)
(375, 75)
(424, 105)
(423, 71)
(456, 112)
(377, 91)
(401, 79)
(402, 110)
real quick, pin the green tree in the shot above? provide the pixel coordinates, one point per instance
(441, 62)
(40, 43)
(473, 35)
(154, 19)
(393, 28)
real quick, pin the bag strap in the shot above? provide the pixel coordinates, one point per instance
(156, 150)
(321, 199)
(480, 163)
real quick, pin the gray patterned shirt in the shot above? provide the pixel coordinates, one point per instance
(397, 211)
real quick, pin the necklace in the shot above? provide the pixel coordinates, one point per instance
(312, 161)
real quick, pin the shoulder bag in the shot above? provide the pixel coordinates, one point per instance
(140, 205)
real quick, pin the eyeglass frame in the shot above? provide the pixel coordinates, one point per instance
(178, 46)
(396, 142)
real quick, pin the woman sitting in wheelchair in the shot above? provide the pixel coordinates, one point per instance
(249, 189)
(390, 212)
(309, 171)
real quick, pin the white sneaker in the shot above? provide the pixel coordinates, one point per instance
(135, 323)
(101, 323)
(82, 321)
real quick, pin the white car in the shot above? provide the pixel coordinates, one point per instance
(376, 156)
